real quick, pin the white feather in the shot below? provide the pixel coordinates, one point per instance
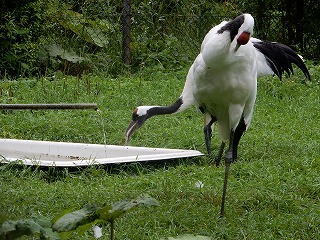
(142, 110)
(223, 81)
(263, 68)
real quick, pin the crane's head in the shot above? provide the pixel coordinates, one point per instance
(142, 113)
(139, 116)
(240, 29)
(245, 31)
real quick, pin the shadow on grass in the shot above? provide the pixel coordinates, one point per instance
(53, 174)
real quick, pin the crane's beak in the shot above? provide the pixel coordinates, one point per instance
(135, 123)
(237, 47)
(243, 39)
(133, 126)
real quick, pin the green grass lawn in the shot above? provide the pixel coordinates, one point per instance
(274, 187)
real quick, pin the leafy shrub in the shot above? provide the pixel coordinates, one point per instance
(20, 27)
(165, 33)
(65, 225)
(169, 33)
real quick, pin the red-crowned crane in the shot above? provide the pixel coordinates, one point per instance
(222, 82)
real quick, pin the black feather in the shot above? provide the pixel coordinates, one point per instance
(280, 58)
(165, 110)
(233, 26)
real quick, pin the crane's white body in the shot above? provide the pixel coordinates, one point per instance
(223, 81)
(229, 94)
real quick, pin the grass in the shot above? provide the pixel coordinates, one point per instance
(274, 187)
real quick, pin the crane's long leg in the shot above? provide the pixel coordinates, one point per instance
(230, 157)
(208, 135)
(208, 132)
(241, 128)
(228, 161)
(218, 160)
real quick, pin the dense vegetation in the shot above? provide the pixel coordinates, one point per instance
(77, 37)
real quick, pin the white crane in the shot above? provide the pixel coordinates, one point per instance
(222, 82)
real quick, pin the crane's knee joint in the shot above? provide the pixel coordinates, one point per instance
(229, 157)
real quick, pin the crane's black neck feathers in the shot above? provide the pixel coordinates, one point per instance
(233, 26)
(165, 110)
(280, 58)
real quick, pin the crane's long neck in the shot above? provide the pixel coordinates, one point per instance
(184, 101)
(161, 110)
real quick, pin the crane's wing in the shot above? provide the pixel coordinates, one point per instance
(276, 58)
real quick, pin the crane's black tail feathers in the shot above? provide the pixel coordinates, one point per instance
(280, 58)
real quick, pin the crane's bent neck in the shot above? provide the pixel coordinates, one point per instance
(159, 110)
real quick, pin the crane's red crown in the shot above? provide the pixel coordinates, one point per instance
(243, 39)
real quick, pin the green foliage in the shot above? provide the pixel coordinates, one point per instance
(67, 223)
(37, 226)
(73, 220)
(57, 51)
(293, 23)
(166, 33)
(66, 61)
(20, 29)
(92, 31)
(110, 213)
(169, 33)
